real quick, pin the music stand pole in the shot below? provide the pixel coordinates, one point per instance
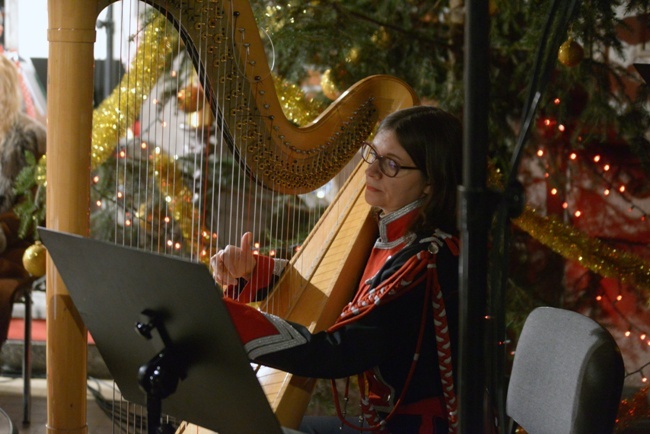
(159, 377)
(475, 217)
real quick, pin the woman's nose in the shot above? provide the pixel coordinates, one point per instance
(373, 168)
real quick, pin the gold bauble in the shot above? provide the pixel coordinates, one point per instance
(353, 55)
(327, 85)
(34, 259)
(570, 53)
(190, 98)
(382, 38)
(202, 118)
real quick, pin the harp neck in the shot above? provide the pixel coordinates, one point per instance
(229, 55)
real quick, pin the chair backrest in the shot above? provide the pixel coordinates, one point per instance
(567, 375)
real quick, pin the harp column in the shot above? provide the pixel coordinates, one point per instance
(71, 37)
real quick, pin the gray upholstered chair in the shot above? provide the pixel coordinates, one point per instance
(567, 375)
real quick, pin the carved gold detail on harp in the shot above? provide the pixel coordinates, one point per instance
(225, 45)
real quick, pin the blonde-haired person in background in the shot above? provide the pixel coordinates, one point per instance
(18, 134)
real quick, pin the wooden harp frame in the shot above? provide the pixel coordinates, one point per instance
(278, 154)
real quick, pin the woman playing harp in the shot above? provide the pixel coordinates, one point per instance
(400, 330)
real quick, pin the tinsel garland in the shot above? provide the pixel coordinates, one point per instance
(121, 108)
(590, 252)
(171, 184)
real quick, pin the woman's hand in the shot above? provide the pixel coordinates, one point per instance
(234, 262)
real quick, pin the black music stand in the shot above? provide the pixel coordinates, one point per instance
(164, 334)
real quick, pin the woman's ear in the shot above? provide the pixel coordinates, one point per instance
(427, 190)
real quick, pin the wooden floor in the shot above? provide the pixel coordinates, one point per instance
(11, 401)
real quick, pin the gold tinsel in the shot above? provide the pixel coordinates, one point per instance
(589, 252)
(180, 200)
(296, 107)
(122, 107)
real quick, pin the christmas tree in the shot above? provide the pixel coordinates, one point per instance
(586, 162)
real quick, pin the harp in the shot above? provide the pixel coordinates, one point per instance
(225, 48)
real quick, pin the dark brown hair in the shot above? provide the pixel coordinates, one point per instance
(433, 138)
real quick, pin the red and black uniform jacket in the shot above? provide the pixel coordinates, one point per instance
(378, 332)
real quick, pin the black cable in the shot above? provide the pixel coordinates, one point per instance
(557, 23)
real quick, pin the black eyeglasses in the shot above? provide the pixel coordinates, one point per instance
(387, 165)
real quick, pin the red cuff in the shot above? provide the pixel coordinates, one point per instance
(260, 279)
(249, 322)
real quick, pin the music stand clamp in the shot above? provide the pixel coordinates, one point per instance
(159, 377)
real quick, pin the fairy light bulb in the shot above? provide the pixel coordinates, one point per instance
(621, 188)
(644, 379)
(643, 336)
(606, 192)
(573, 155)
(561, 128)
(577, 213)
(565, 205)
(596, 158)
(540, 152)
(95, 179)
(553, 191)
(619, 297)
(628, 332)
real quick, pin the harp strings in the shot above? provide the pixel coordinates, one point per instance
(179, 188)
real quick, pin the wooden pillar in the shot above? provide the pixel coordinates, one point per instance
(71, 37)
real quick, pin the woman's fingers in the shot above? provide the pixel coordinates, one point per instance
(233, 262)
